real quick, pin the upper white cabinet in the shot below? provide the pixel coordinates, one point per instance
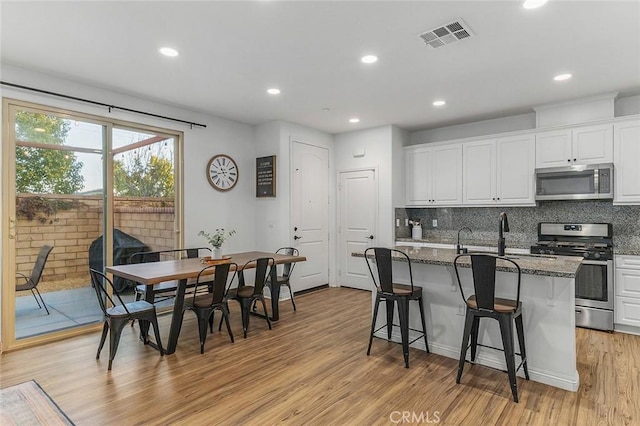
(499, 171)
(580, 145)
(626, 148)
(434, 175)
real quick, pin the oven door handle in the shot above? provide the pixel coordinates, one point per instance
(594, 262)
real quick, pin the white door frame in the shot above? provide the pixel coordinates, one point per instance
(376, 218)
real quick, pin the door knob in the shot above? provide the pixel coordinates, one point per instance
(295, 237)
(370, 237)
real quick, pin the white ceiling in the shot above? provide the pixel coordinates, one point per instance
(231, 52)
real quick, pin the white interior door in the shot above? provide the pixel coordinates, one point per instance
(358, 206)
(310, 214)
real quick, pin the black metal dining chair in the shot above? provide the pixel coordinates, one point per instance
(209, 297)
(485, 304)
(117, 315)
(246, 295)
(287, 270)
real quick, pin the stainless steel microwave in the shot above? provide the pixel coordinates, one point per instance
(579, 182)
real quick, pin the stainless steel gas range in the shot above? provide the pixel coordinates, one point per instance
(594, 279)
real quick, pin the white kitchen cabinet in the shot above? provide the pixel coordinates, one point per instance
(627, 284)
(580, 145)
(418, 176)
(499, 171)
(626, 149)
(434, 175)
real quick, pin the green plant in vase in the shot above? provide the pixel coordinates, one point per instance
(217, 239)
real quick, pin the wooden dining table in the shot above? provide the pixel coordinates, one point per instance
(181, 270)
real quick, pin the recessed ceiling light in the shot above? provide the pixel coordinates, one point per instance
(562, 77)
(273, 91)
(168, 51)
(369, 59)
(354, 120)
(533, 4)
(39, 130)
(438, 103)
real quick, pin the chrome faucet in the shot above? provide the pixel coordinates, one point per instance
(502, 227)
(459, 248)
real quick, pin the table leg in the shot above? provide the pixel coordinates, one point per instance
(275, 294)
(176, 317)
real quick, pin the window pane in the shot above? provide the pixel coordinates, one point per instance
(145, 170)
(32, 127)
(49, 171)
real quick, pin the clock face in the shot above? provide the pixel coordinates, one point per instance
(222, 172)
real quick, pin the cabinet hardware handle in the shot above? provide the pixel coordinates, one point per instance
(295, 237)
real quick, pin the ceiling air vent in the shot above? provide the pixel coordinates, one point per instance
(446, 34)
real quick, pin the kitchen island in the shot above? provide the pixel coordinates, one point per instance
(547, 294)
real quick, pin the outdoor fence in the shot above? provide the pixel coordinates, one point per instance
(70, 223)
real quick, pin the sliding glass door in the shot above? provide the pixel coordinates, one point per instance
(81, 193)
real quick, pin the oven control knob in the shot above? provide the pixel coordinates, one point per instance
(585, 255)
(551, 252)
(541, 251)
(596, 255)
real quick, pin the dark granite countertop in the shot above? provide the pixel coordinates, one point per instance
(630, 250)
(551, 266)
(467, 242)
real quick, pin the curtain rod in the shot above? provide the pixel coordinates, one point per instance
(60, 95)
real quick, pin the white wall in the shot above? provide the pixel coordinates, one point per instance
(377, 144)
(627, 106)
(271, 220)
(399, 139)
(478, 128)
(623, 106)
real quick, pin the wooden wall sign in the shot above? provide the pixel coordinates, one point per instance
(266, 176)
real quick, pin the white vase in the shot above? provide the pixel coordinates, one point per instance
(216, 253)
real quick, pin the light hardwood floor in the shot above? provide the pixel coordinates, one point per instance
(312, 368)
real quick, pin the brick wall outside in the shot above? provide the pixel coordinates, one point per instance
(72, 231)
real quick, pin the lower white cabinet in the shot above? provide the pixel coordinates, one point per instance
(627, 284)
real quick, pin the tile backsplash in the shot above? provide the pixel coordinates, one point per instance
(523, 221)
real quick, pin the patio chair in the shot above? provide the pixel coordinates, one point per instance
(31, 282)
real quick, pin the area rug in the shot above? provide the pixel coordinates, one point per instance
(28, 404)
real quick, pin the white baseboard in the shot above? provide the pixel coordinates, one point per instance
(628, 329)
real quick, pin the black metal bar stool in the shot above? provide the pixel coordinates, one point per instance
(484, 304)
(392, 293)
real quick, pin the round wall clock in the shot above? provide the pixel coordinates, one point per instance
(222, 172)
